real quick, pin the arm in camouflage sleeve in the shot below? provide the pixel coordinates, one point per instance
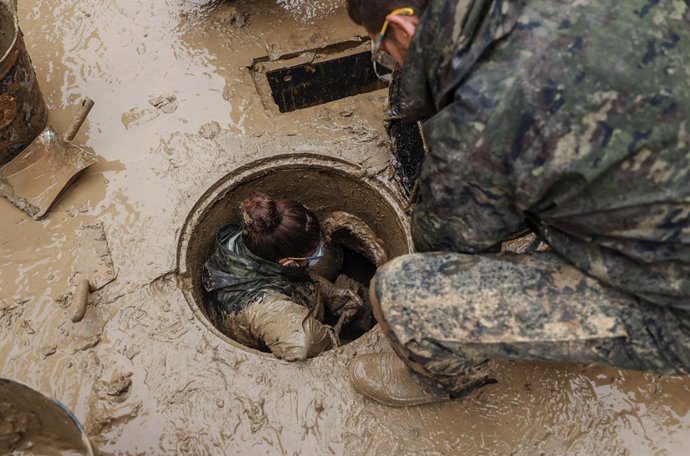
(464, 202)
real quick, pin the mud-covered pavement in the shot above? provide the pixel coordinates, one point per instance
(176, 110)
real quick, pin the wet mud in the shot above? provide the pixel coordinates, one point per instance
(143, 371)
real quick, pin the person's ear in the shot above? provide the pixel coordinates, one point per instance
(408, 24)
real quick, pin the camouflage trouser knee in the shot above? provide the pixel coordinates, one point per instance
(447, 313)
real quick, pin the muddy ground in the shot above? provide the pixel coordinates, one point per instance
(142, 372)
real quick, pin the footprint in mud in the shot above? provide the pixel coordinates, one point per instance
(166, 104)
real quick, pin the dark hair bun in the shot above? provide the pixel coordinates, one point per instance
(260, 214)
(276, 229)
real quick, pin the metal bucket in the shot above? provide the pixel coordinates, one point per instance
(31, 423)
(23, 113)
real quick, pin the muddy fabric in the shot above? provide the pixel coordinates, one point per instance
(262, 304)
(407, 145)
(446, 314)
(274, 321)
(569, 115)
(351, 304)
(235, 277)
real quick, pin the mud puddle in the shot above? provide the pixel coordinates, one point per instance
(142, 372)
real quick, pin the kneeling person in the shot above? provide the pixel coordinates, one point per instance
(539, 114)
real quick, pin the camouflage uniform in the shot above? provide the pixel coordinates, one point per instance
(570, 116)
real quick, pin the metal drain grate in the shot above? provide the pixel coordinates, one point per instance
(311, 84)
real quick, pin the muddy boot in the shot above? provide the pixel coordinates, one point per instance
(384, 378)
(408, 314)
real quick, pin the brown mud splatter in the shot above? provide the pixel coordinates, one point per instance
(142, 370)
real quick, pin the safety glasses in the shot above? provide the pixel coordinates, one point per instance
(312, 259)
(378, 55)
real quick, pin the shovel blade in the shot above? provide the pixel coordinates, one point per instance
(36, 178)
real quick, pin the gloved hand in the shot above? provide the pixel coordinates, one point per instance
(344, 300)
(339, 295)
(350, 309)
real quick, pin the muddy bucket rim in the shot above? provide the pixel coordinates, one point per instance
(11, 13)
(88, 446)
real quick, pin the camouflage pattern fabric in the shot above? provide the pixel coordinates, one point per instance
(446, 314)
(235, 277)
(570, 115)
(263, 305)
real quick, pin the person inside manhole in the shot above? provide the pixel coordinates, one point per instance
(268, 279)
(570, 118)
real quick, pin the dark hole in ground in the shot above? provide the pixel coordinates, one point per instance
(311, 84)
(359, 268)
(323, 184)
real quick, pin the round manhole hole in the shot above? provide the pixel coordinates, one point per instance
(325, 185)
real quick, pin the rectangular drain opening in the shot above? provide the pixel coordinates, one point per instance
(316, 77)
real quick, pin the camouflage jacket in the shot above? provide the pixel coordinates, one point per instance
(235, 277)
(571, 115)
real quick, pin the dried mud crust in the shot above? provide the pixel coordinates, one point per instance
(333, 189)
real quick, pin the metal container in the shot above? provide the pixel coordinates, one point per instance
(32, 423)
(23, 113)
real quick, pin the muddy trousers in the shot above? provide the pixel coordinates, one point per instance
(447, 315)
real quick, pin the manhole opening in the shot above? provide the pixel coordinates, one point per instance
(325, 191)
(314, 77)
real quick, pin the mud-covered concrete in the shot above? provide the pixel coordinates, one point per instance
(142, 371)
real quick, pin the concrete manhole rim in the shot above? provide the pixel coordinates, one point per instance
(255, 170)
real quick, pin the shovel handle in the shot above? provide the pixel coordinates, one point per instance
(78, 119)
(80, 299)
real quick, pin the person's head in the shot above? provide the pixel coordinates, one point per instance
(401, 25)
(283, 231)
